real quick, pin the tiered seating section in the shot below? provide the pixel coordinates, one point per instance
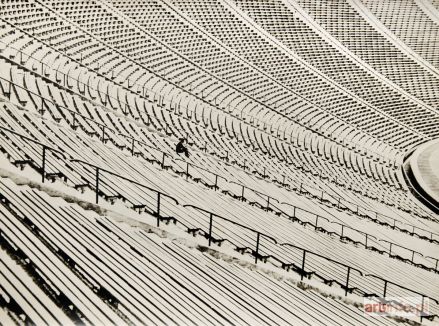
(345, 23)
(267, 176)
(411, 24)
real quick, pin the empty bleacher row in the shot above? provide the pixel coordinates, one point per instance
(167, 282)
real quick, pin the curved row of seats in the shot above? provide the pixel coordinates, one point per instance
(91, 91)
(205, 83)
(93, 94)
(104, 121)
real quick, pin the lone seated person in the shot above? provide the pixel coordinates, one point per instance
(180, 148)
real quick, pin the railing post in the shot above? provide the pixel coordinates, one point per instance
(158, 208)
(103, 133)
(303, 265)
(300, 189)
(317, 221)
(242, 193)
(216, 181)
(187, 170)
(385, 289)
(268, 203)
(338, 202)
(283, 179)
(9, 90)
(210, 228)
(257, 247)
(43, 164)
(342, 230)
(347, 281)
(74, 120)
(132, 146)
(294, 211)
(365, 244)
(264, 173)
(390, 249)
(97, 185)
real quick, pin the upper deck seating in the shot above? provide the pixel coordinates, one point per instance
(345, 23)
(412, 26)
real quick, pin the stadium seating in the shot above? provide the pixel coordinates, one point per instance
(413, 27)
(296, 139)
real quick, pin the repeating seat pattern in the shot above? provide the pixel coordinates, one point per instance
(297, 144)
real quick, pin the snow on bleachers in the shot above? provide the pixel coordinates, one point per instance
(103, 111)
(112, 189)
(162, 284)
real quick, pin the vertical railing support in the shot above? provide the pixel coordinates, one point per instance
(97, 185)
(257, 247)
(365, 244)
(385, 289)
(303, 265)
(158, 208)
(216, 181)
(210, 228)
(43, 165)
(132, 146)
(347, 281)
(317, 221)
(242, 193)
(187, 170)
